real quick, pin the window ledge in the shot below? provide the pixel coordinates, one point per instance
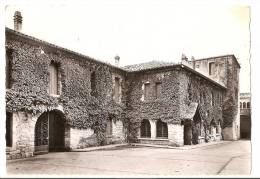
(55, 95)
(154, 139)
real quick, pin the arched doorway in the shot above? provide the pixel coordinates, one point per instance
(145, 128)
(50, 132)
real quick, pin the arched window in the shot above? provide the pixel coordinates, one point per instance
(161, 129)
(244, 105)
(54, 80)
(145, 128)
(248, 105)
(241, 105)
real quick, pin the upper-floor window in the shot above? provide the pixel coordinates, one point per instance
(212, 99)
(248, 105)
(211, 68)
(158, 90)
(8, 68)
(93, 84)
(117, 89)
(54, 79)
(146, 91)
(240, 105)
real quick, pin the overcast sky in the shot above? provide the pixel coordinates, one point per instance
(140, 31)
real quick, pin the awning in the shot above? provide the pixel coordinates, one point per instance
(189, 111)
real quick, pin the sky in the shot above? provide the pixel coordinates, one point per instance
(141, 31)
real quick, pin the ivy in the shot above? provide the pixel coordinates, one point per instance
(29, 92)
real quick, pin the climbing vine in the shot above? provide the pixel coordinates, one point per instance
(30, 80)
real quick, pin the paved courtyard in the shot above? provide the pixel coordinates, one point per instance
(229, 158)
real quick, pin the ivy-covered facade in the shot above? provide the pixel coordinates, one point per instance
(59, 100)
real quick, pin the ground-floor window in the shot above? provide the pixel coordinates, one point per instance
(161, 129)
(145, 128)
(9, 131)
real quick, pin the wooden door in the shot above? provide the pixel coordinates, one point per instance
(42, 134)
(56, 132)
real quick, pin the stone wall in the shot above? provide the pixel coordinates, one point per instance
(29, 77)
(118, 133)
(219, 71)
(165, 107)
(225, 71)
(175, 134)
(82, 138)
(231, 112)
(23, 136)
(208, 96)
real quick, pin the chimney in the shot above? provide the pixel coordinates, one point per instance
(193, 62)
(117, 58)
(183, 57)
(18, 19)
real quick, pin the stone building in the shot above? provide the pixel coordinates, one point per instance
(59, 100)
(245, 115)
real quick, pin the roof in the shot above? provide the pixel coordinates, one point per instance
(148, 65)
(189, 112)
(152, 65)
(33, 39)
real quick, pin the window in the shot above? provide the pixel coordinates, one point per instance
(212, 99)
(211, 68)
(54, 82)
(109, 127)
(248, 105)
(218, 128)
(93, 84)
(9, 131)
(117, 89)
(161, 129)
(146, 91)
(8, 68)
(145, 128)
(158, 89)
(244, 105)
(240, 105)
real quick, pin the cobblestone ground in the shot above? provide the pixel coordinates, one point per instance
(231, 158)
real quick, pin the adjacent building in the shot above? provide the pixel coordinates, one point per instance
(59, 100)
(245, 115)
